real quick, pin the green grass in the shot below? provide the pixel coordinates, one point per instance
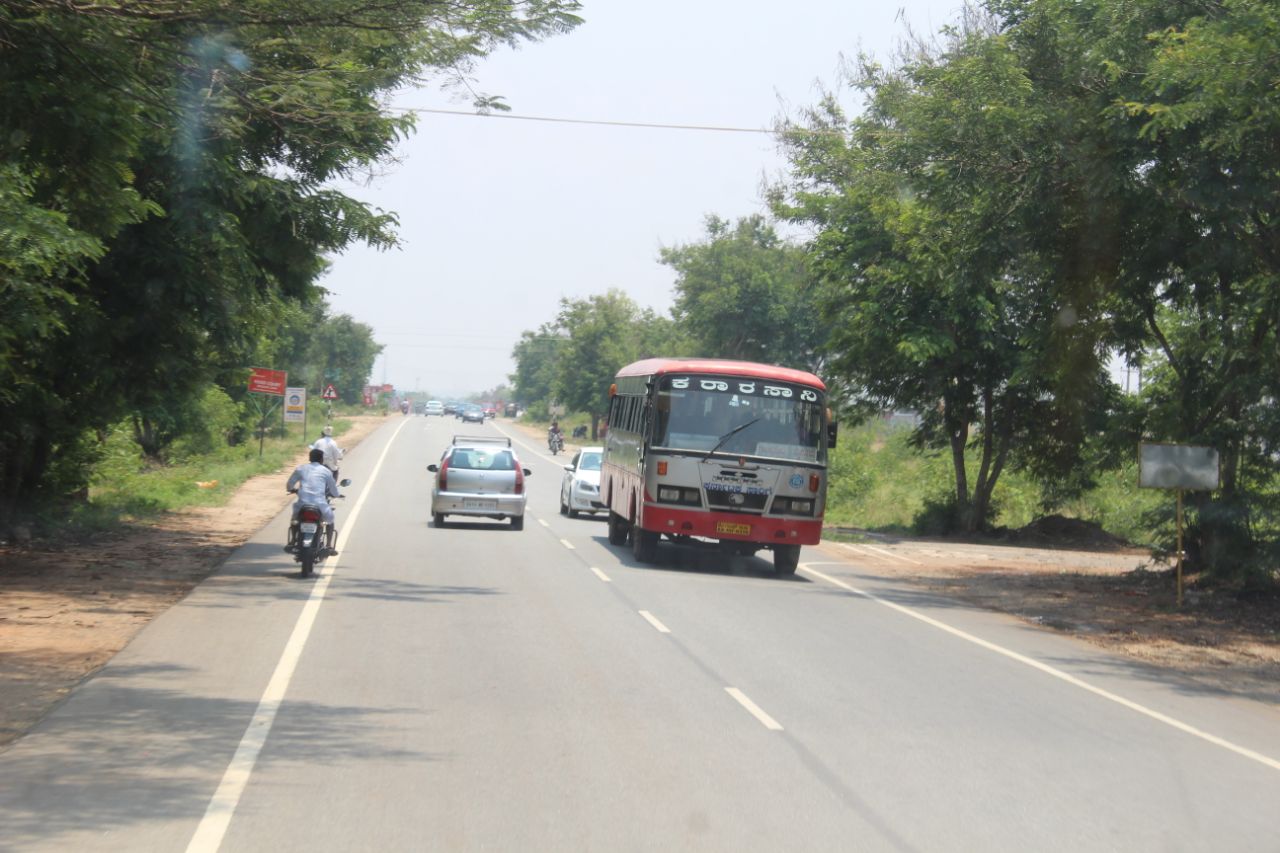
(125, 487)
(879, 482)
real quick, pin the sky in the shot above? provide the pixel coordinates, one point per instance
(500, 218)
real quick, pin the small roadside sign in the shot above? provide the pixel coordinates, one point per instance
(265, 381)
(330, 393)
(295, 405)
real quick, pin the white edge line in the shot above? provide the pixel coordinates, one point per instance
(566, 543)
(601, 574)
(653, 620)
(892, 555)
(1264, 760)
(217, 817)
(754, 710)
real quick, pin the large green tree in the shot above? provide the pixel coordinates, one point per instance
(939, 295)
(744, 293)
(173, 163)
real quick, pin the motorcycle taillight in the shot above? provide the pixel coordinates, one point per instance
(309, 514)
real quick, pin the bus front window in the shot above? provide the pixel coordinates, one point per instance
(704, 414)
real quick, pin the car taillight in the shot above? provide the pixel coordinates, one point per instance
(309, 514)
(519, 479)
(442, 481)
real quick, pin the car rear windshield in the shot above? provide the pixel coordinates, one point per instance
(481, 459)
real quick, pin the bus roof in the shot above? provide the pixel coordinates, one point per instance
(720, 366)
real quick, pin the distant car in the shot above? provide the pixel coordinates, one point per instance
(471, 413)
(490, 412)
(451, 408)
(580, 487)
(433, 407)
(479, 476)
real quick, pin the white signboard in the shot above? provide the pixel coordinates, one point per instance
(295, 405)
(1177, 466)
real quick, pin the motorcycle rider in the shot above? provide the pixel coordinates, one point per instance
(555, 436)
(332, 452)
(315, 485)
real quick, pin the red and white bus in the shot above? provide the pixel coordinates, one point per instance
(708, 449)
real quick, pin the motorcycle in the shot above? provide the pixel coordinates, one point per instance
(555, 442)
(310, 539)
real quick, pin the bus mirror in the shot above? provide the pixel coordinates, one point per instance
(832, 429)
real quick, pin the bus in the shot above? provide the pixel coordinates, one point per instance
(716, 451)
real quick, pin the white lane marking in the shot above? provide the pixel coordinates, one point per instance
(543, 522)
(754, 710)
(566, 543)
(868, 550)
(653, 620)
(601, 575)
(217, 817)
(1186, 728)
(892, 555)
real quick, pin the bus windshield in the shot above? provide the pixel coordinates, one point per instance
(740, 416)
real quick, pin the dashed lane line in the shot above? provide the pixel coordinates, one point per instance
(754, 710)
(653, 620)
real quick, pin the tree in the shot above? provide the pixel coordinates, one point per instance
(603, 333)
(938, 294)
(744, 293)
(174, 161)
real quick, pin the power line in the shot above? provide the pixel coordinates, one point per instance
(599, 122)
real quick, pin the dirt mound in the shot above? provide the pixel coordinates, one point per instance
(1058, 531)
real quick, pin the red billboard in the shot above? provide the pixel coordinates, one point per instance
(265, 381)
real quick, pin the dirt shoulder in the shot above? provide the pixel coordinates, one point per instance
(66, 609)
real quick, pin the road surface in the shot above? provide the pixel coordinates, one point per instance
(479, 688)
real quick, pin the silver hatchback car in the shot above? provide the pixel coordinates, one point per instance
(479, 476)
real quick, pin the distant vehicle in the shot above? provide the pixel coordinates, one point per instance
(479, 476)
(511, 410)
(580, 487)
(471, 413)
(433, 407)
(723, 451)
(451, 408)
(490, 411)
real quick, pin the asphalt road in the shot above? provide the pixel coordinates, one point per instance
(476, 687)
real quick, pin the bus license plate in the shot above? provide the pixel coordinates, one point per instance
(473, 504)
(734, 528)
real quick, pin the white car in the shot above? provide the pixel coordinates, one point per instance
(580, 489)
(433, 407)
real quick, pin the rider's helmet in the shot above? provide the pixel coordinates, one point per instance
(316, 455)
(555, 425)
(328, 430)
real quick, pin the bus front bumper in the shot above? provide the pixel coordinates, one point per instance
(731, 526)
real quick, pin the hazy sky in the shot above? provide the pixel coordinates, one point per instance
(500, 218)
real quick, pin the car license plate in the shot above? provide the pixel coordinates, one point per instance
(731, 527)
(474, 504)
(308, 527)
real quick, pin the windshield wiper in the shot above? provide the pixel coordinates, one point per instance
(728, 435)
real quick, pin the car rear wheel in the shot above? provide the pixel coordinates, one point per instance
(439, 519)
(617, 529)
(564, 507)
(517, 522)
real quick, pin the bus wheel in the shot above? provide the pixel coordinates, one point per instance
(644, 544)
(617, 529)
(786, 558)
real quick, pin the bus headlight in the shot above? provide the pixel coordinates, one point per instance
(679, 495)
(793, 506)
